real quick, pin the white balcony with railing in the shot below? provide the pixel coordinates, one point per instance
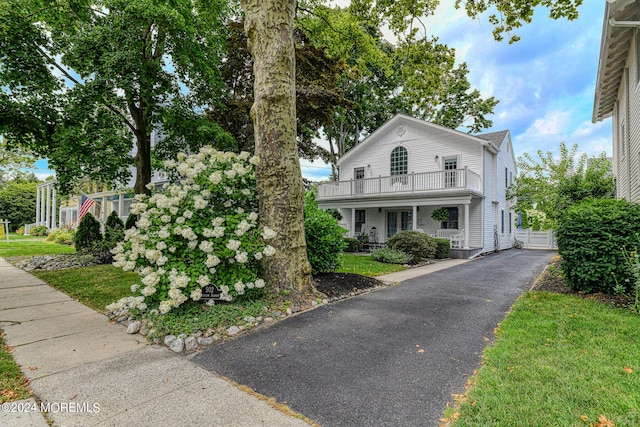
(415, 183)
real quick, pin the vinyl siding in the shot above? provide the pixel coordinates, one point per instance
(423, 144)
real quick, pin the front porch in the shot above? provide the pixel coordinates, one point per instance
(376, 221)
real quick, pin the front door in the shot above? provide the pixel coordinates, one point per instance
(398, 221)
(358, 174)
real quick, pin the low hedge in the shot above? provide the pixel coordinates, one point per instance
(443, 248)
(353, 244)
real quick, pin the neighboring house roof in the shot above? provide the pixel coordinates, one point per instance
(497, 138)
(489, 144)
(614, 49)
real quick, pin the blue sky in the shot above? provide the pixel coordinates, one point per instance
(545, 82)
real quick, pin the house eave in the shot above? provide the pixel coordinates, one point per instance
(614, 48)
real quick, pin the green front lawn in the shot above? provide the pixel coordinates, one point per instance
(559, 360)
(95, 286)
(19, 246)
(363, 264)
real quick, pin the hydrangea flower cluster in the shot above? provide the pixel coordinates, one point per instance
(201, 230)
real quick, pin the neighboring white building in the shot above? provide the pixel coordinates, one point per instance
(617, 92)
(397, 176)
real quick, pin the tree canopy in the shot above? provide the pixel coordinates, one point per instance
(81, 79)
(550, 185)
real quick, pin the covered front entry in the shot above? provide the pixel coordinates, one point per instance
(377, 222)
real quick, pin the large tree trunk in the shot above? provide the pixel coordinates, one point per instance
(269, 28)
(143, 163)
(143, 145)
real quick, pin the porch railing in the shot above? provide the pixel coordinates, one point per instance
(410, 183)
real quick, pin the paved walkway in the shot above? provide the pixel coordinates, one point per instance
(392, 357)
(92, 373)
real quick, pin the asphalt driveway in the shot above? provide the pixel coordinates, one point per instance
(388, 358)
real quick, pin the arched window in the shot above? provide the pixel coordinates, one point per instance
(399, 158)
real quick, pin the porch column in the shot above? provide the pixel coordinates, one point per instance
(352, 228)
(414, 218)
(104, 209)
(37, 205)
(54, 210)
(78, 210)
(43, 203)
(466, 226)
(47, 209)
(120, 204)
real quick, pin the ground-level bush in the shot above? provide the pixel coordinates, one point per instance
(390, 256)
(443, 248)
(325, 241)
(595, 239)
(353, 244)
(20, 230)
(39, 230)
(414, 243)
(61, 236)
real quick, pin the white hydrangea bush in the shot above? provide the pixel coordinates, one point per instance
(201, 230)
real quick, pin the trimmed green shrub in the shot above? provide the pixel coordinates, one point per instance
(414, 243)
(39, 230)
(353, 244)
(390, 256)
(131, 221)
(594, 239)
(325, 237)
(113, 230)
(443, 248)
(88, 236)
(20, 230)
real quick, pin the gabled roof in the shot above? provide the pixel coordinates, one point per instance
(490, 145)
(614, 49)
(497, 138)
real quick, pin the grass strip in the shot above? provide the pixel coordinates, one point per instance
(13, 385)
(95, 286)
(364, 265)
(559, 360)
(22, 246)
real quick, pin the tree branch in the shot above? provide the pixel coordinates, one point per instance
(77, 82)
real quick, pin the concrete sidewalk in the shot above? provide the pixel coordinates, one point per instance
(90, 372)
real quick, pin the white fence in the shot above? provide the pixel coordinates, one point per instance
(537, 239)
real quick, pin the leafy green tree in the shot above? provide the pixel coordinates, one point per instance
(417, 77)
(550, 185)
(18, 200)
(317, 92)
(81, 79)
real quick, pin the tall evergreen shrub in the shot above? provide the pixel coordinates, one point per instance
(113, 230)
(88, 235)
(594, 239)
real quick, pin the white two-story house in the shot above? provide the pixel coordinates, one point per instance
(617, 92)
(396, 177)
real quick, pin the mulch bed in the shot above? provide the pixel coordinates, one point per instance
(336, 285)
(554, 283)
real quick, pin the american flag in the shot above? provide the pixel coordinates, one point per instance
(85, 205)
